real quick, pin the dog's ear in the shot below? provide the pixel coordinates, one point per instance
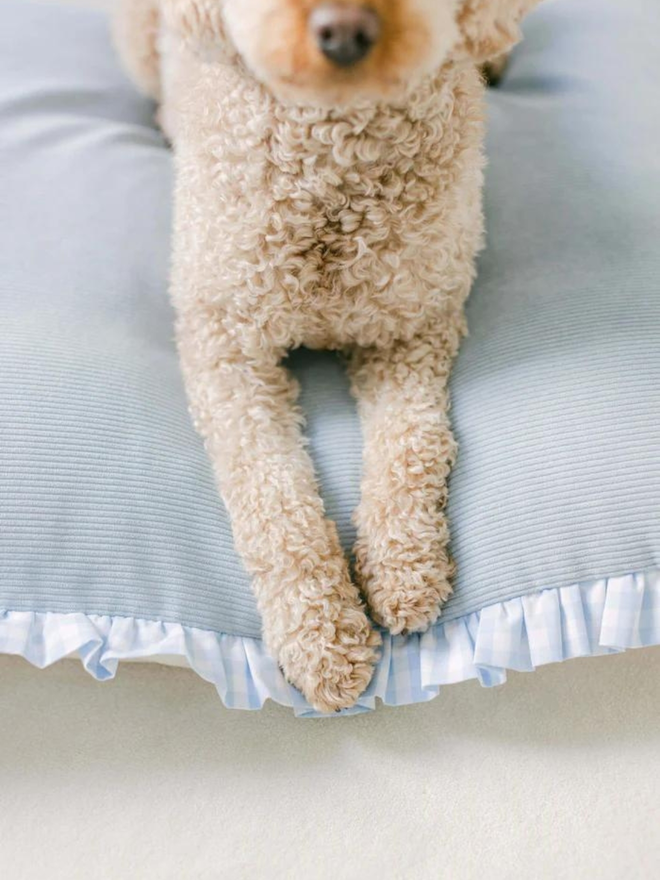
(199, 23)
(490, 28)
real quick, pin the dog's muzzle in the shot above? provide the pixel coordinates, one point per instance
(345, 33)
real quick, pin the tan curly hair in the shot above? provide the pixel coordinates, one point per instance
(332, 205)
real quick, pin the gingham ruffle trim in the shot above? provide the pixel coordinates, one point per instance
(601, 617)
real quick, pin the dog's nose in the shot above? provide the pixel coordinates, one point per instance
(345, 33)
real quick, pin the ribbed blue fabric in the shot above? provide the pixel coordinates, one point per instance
(107, 503)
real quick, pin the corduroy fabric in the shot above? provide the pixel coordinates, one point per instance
(107, 504)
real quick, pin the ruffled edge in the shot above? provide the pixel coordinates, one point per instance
(600, 617)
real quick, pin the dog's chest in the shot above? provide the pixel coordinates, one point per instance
(348, 251)
(335, 231)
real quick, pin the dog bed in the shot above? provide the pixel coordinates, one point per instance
(113, 541)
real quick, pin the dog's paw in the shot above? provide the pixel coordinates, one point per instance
(407, 598)
(332, 662)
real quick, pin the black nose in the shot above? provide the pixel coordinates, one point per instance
(345, 33)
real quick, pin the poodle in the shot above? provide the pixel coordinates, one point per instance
(329, 166)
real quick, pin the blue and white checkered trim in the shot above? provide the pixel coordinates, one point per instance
(600, 617)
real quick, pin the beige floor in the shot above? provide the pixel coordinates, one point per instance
(557, 775)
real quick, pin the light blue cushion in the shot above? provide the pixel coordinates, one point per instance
(107, 502)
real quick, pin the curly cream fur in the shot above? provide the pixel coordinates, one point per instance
(352, 228)
(137, 27)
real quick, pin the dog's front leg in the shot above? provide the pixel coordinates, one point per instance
(401, 551)
(313, 619)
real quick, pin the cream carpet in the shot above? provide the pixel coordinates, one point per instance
(555, 775)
